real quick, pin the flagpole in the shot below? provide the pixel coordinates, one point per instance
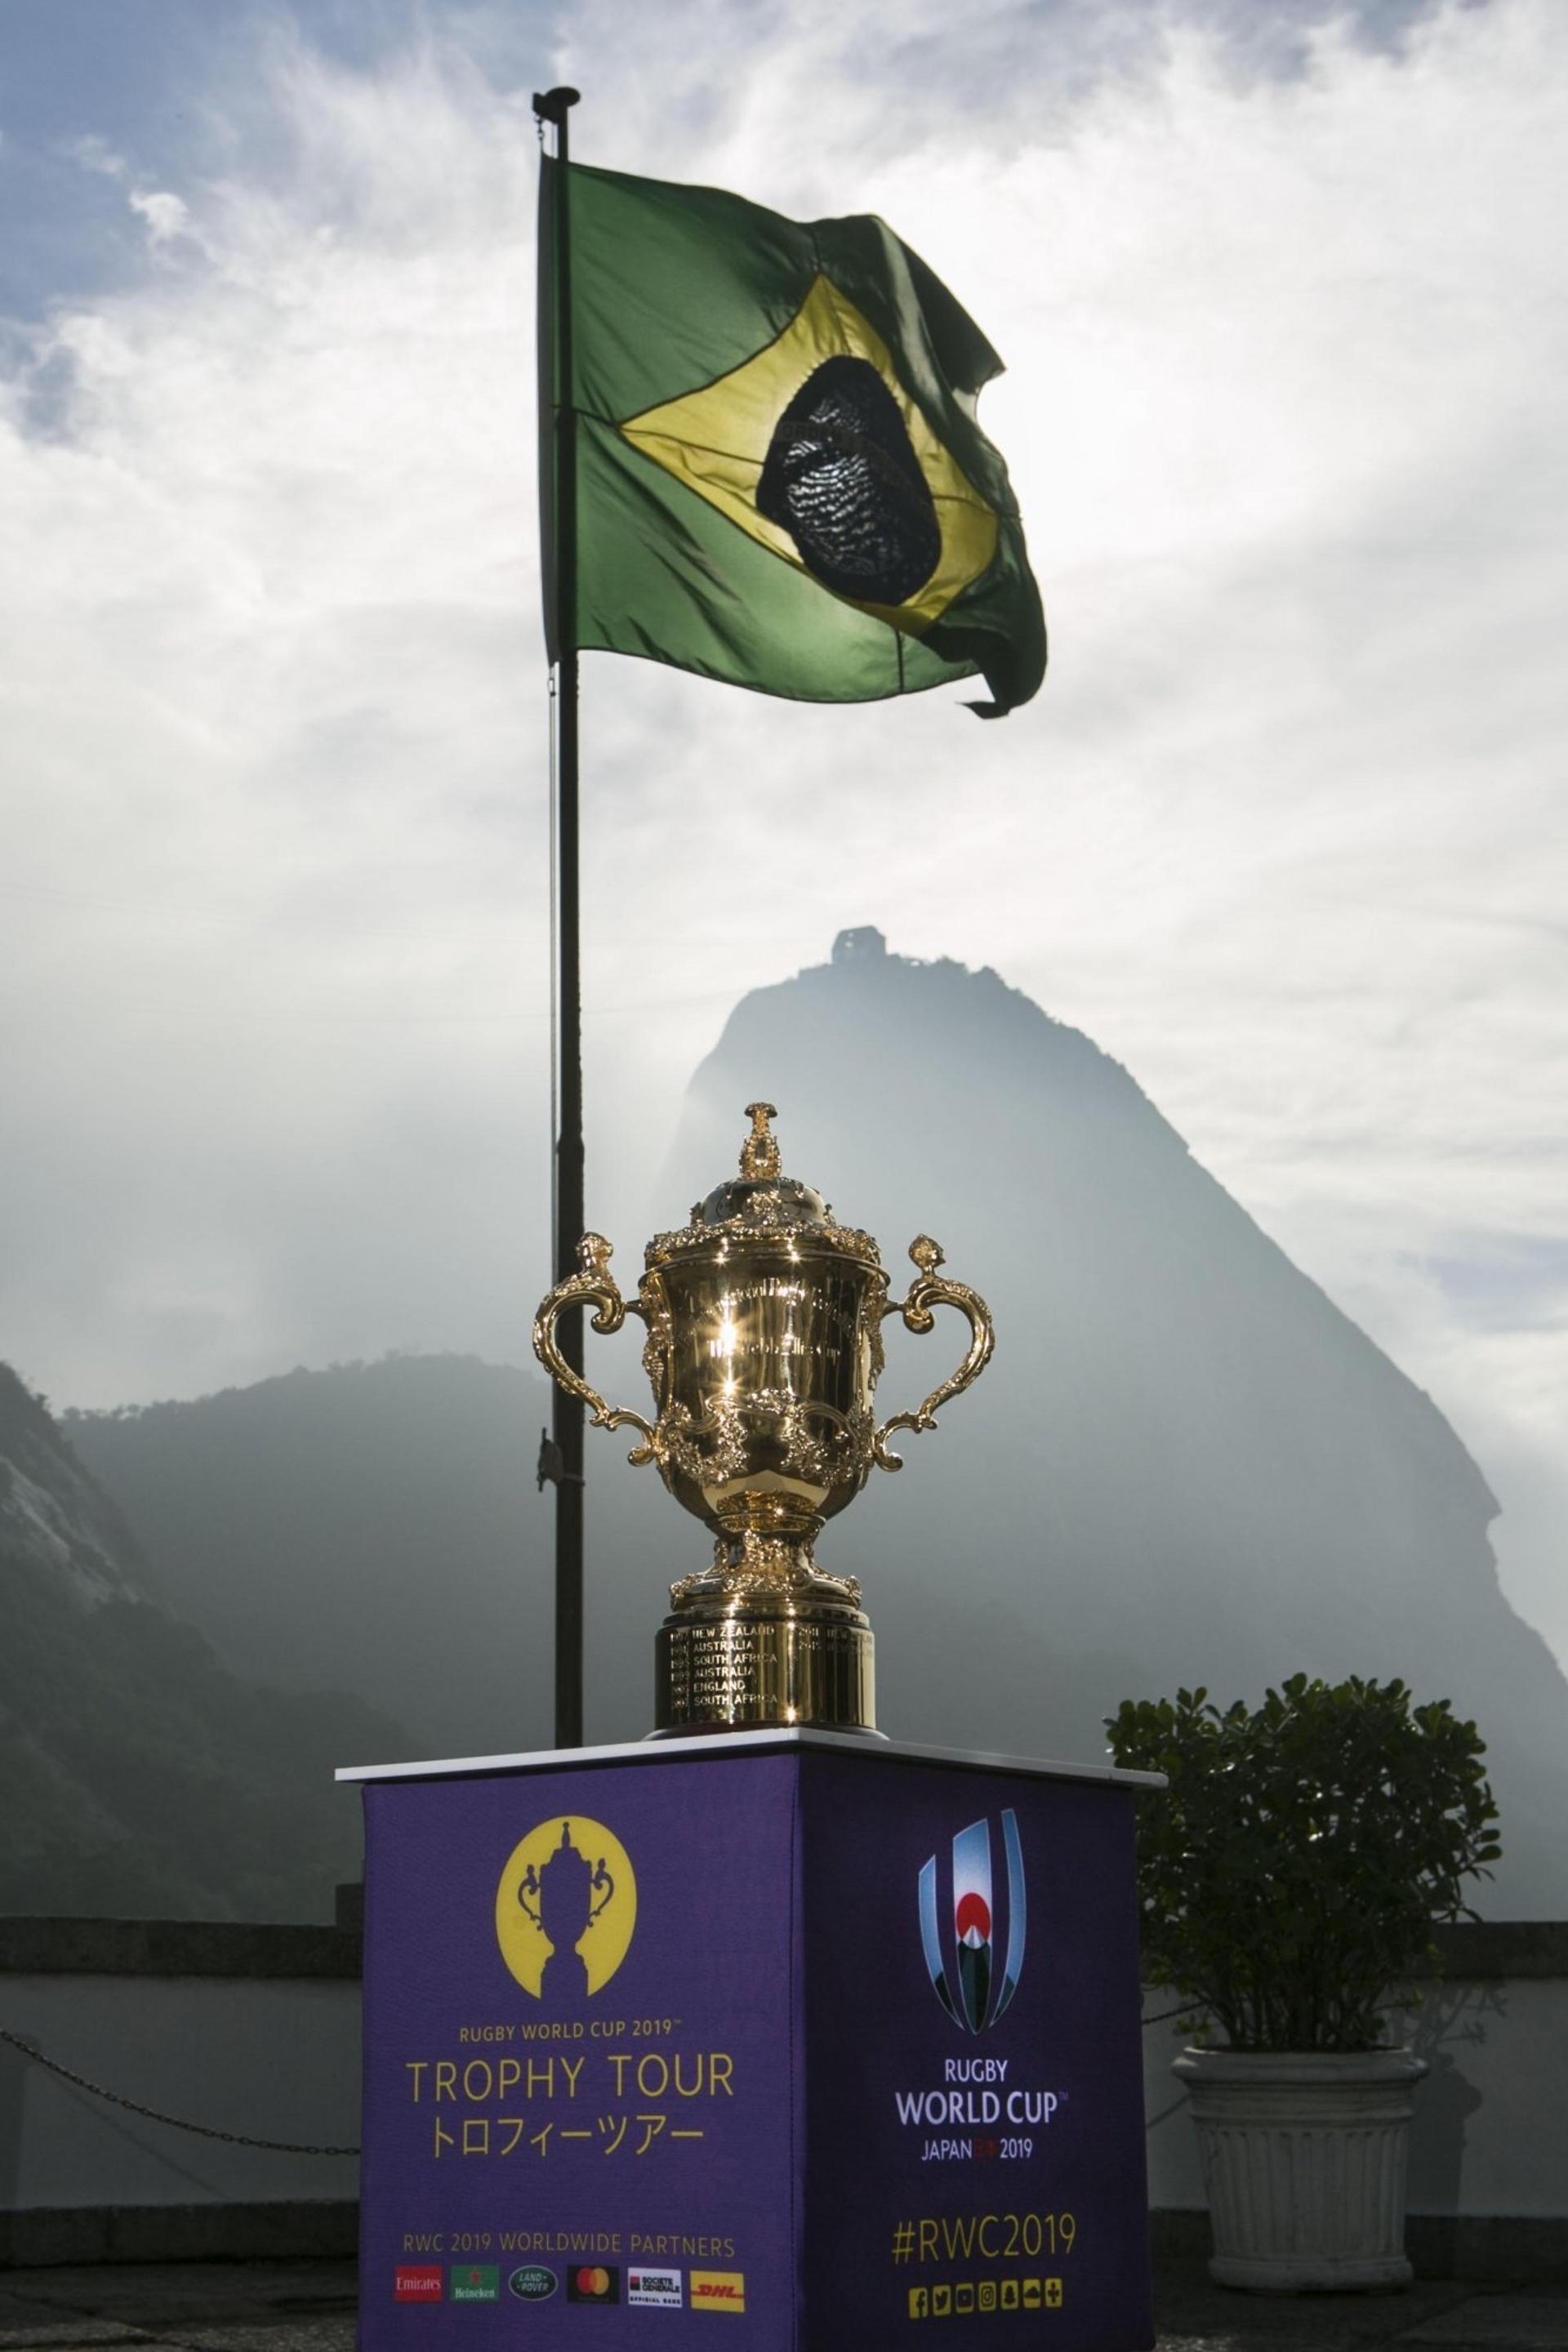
(564, 1466)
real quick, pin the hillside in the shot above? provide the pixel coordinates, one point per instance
(141, 1778)
(374, 1528)
(1184, 1465)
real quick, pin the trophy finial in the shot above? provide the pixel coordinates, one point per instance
(760, 1151)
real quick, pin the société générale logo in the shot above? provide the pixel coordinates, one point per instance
(566, 1907)
(972, 1991)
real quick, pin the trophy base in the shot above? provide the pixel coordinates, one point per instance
(751, 1664)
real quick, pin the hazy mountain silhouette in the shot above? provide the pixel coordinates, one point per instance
(361, 1529)
(1184, 1465)
(141, 1778)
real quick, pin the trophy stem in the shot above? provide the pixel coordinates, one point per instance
(765, 1638)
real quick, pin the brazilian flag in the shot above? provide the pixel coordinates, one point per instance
(780, 480)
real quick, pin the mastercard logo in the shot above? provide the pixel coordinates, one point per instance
(592, 2283)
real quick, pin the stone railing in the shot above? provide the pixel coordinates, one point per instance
(246, 2030)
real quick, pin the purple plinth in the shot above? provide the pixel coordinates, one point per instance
(833, 2042)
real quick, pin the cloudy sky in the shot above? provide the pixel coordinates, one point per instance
(1281, 290)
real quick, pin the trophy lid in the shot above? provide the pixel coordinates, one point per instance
(761, 1203)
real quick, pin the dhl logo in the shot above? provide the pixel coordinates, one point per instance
(718, 2290)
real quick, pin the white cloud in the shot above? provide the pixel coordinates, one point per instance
(274, 772)
(96, 154)
(1283, 831)
(166, 215)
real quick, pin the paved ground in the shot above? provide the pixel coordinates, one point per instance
(209, 2306)
(1196, 2315)
(310, 2307)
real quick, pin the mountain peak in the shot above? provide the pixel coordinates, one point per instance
(865, 945)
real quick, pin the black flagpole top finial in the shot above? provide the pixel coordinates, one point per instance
(552, 107)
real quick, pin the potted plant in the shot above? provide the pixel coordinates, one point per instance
(1289, 1877)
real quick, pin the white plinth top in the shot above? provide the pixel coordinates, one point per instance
(874, 1749)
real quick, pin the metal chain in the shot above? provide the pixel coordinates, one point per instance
(208, 2131)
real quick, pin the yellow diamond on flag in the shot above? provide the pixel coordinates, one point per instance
(814, 449)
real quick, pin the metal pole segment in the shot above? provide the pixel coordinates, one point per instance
(570, 1215)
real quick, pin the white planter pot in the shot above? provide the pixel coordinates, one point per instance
(1304, 2161)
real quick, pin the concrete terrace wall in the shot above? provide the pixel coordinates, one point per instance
(252, 2030)
(255, 2030)
(1488, 2148)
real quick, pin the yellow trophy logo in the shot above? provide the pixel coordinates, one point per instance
(566, 1907)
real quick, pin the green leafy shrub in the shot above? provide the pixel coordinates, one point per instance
(1289, 1875)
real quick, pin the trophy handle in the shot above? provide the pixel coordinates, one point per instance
(594, 1286)
(927, 1290)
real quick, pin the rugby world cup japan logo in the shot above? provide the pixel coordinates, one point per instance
(975, 1992)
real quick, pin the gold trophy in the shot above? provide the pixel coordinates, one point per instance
(765, 1346)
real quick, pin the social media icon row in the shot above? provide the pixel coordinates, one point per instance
(964, 2299)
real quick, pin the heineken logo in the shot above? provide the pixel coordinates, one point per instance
(476, 2282)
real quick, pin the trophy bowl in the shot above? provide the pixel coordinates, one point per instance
(764, 1348)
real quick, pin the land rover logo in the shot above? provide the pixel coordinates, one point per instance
(534, 2282)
